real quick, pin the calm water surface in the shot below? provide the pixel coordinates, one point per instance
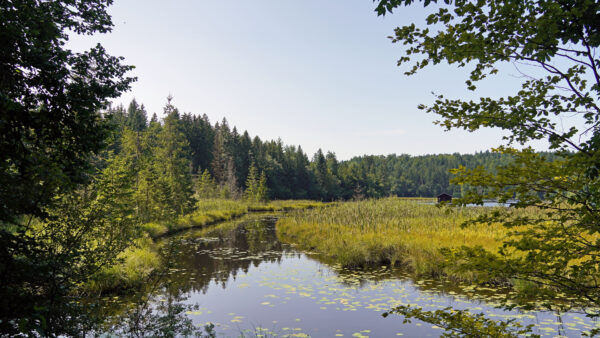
(239, 277)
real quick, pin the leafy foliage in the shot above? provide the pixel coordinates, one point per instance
(461, 323)
(554, 46)
(81, 233)
(55, 228)
(49, 98)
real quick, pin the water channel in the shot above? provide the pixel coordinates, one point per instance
(238, 277)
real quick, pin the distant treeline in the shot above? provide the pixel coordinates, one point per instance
(225, 156)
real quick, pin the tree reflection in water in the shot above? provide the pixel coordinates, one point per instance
(160, 317)
(190, 265)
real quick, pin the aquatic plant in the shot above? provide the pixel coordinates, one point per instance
(391, 230)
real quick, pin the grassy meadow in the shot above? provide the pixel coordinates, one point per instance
(404, 232)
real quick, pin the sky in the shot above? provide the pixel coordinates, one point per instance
(320, 74)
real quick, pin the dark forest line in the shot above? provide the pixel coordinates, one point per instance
(225, 156)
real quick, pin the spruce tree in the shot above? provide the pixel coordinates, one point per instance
(262, 192)
(231, 180)
(154, 119)
(219, 157)
(252, 184)
(173, 163)
(137, 119)
(206, 186)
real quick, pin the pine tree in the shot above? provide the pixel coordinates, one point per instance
(131, 156)
(262, 192)
(137, 119)
(173, 163)
(206, 186)
(231, 180)
(154, 119)
(252, 184)
(319, 168)
(219, 157)
(206, 144)
(150, 196)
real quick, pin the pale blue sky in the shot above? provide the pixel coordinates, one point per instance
(321, 74)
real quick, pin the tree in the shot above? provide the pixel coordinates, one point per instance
(173, 162)
(252, 183)
(50, 129)
(327, 183)
(137, 118)
(231, 188)
(81, 233)
(555, 248)
(219, 156)
(206, 186)
(319, 168)
(262, 192)
(256, 186)
(154, 119)
(49, 100)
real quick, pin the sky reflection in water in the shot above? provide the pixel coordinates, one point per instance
(245, 281)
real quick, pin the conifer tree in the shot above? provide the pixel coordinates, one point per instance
(137, 119)
(131, 156)
(207, 135)
(206, 186)
(219, 155)
(252, 183)
(244, 156)
(154, 119)
(173, 163)
(231, 180)
(320, 166)
(262, 192)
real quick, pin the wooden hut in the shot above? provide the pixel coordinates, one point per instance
(444, 198)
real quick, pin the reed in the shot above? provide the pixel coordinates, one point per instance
(212, 211)
(393, 231)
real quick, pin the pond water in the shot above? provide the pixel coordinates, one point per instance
(487, 203)
(240, 278)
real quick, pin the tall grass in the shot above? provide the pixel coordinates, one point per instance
(141, 259)
(388, 231)
(286, 205)
(135, 266)
(212, 211)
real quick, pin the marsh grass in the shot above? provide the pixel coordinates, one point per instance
(141, 259)
(395, 231)
(286, 205)
(212, 211)
(135, 266)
